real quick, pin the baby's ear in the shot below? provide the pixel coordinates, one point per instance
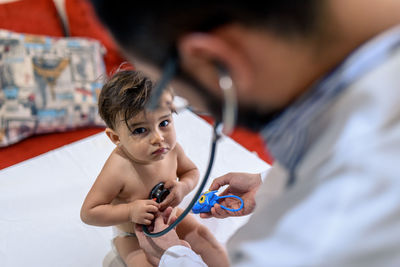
(114, 137)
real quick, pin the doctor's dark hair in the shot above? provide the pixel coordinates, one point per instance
(150, 29)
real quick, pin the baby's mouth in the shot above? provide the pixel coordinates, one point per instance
(160, 151)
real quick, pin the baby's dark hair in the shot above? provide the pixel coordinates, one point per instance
(123, 96)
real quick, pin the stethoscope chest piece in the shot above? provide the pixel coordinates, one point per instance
(159, 193)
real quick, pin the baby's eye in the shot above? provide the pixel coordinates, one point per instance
(164, 123)
(140, 130)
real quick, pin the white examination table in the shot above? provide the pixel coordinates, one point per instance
(40, 199)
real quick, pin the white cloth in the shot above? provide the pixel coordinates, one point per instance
(181, 256)
(344, 209)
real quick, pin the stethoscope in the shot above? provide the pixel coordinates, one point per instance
(229, 114)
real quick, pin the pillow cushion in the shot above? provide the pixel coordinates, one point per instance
(47, 84)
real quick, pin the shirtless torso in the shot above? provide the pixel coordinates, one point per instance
(137, 180)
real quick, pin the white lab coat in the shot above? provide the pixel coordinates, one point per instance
(344, 209)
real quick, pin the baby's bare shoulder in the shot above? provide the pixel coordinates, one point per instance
(118, 166)
(178, 150)
(119, 172)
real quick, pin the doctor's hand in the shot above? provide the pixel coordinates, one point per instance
(155, 247)
(244, 185)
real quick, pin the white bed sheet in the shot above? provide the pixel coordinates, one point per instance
(40, 199)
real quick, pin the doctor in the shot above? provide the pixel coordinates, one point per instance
(320, 80)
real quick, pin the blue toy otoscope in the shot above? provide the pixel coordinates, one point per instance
(209, 198)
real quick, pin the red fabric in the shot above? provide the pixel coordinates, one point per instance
(253, 142)
(39, 144)
(83, 22)
(31, 16)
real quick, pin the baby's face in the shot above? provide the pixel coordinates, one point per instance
(150, 136)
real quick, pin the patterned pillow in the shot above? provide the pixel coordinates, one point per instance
(47, 84)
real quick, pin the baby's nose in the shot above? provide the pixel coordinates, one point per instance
(157, 137)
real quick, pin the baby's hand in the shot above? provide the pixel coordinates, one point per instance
(177, 191)
(142, 211)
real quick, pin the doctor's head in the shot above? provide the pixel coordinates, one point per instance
(272, 50)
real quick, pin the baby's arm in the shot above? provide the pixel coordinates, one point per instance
(187, 172)
(98, 208)
(188, 176)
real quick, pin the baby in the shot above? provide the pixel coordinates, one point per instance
(146, 154)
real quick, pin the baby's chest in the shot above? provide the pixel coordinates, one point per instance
(140, 185)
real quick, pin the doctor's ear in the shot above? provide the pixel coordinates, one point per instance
(206, 55)
(114, 137)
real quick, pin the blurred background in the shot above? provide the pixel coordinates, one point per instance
(54, 55)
